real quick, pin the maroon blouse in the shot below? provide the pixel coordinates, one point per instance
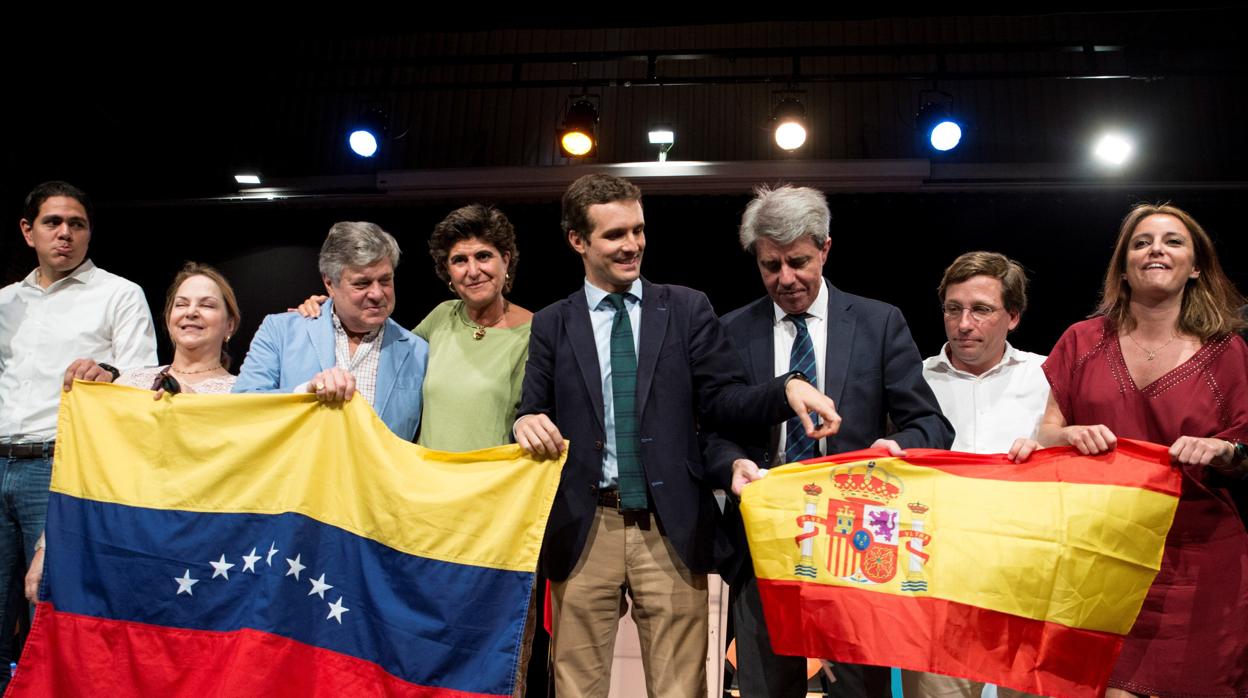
(1191, 637)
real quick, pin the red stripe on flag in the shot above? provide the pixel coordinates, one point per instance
(75, 655)
(934, 635)
(1118, 467)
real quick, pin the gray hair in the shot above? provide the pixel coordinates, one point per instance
(784, 215)
(355, 244)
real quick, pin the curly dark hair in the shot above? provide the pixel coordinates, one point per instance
(474, 221)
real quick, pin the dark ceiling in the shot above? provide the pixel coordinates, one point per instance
(170, 113)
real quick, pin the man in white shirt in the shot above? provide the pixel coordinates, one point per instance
(67, 312)
(993, 393)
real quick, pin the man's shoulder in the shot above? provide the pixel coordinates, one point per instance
(102, 278)
(401, 332)
(860, 305)
(749, 310)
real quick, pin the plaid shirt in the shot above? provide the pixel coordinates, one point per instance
(363, 365)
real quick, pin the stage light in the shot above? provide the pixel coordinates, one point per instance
(247, 178)
(789, 117)
(366, 134)
(578, 137)
(363, 142)
(1113, 149)
(937, 123)
(663, 136)
(946, 135)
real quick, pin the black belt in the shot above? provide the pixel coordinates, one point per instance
(610, 499)
(32, 450)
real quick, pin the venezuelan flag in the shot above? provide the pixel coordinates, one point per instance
(246, 545)
(1025, 575)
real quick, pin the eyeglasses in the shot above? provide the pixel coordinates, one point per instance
(979, 313)
(166, 382)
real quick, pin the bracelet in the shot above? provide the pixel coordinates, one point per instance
(116, 373)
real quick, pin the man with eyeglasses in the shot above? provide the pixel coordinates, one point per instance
(859, 352)
(993, 393)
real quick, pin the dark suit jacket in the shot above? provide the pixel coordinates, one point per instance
(686, 372)
(872, 371)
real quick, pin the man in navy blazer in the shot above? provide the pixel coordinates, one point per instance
(625, 369)
(353, 346)
(867, 363)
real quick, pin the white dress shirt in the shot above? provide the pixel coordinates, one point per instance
(991, 410)
(784, 333)
(90, 314)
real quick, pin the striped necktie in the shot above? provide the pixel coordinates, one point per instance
(797, 445)
(631, 478)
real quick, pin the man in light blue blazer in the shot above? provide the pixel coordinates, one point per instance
(353, 346)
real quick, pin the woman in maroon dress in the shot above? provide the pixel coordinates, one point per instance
(1161, 361)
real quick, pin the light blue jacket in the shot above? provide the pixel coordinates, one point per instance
(289, 349)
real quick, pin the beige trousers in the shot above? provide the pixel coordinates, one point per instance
(669, 608)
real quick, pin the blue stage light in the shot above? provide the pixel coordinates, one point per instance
(363, 143)
(945, 135)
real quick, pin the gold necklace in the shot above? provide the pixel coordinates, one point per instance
(479, 329)
(1150, 355)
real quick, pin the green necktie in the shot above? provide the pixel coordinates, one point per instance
(631, 478)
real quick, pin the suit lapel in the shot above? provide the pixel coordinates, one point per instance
(585, 349)
(393, 355)
(654, 317)
(321, 335)
(762, 343)
(763, 358)
(841, 324)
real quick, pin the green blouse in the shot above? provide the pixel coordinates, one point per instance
(472, 386)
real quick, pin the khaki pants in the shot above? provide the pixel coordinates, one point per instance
(669, 607)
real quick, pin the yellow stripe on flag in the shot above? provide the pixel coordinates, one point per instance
(1082, 555)
(174, 442)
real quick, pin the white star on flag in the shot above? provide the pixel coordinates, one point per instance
(249, 561)
(319, 587)
(336, 609)
(221, 568)
(272, 551)
(295, 567)
(185, 583)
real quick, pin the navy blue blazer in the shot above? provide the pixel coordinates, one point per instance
(872, 371)
(686, 372)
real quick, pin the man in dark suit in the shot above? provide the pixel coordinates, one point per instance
(860, 353)
(625, 369)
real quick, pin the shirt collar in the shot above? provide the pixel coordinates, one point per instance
(941, 362)
(818, 309)
(595, 295)
(82, 274)
(340, 330)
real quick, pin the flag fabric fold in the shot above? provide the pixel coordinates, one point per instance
(1025, 575)
(270, 545)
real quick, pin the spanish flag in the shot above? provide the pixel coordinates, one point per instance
(267, 545)
(1025, 575)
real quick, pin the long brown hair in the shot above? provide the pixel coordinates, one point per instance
(227, 294)
(1211, 303)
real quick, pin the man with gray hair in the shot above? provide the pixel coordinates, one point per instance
(859, 352)
(355, 346)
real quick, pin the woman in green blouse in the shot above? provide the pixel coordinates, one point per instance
(478, 343)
